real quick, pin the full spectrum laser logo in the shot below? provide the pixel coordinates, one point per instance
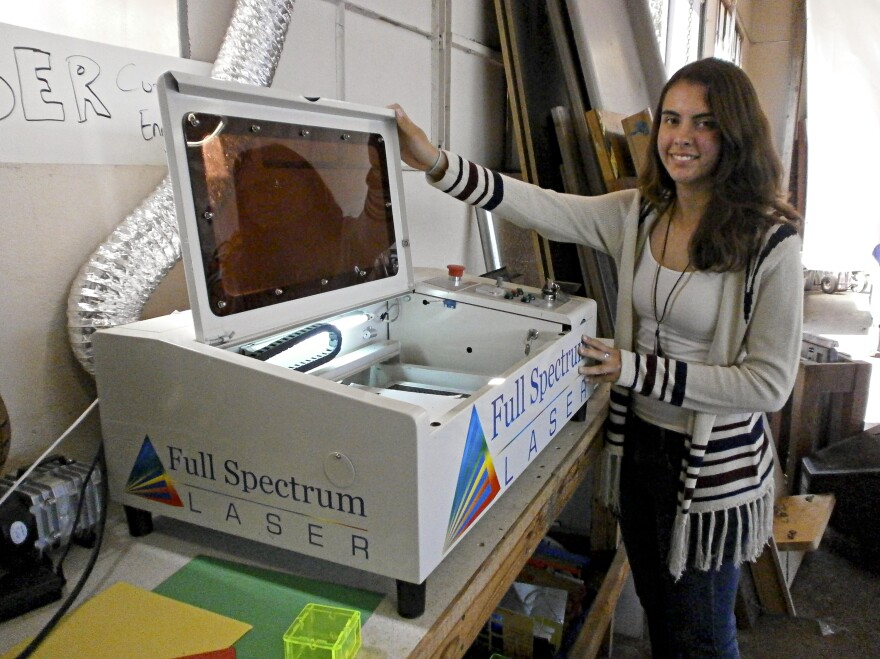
(148, 478)
(477, 483)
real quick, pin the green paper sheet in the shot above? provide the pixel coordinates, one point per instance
(266, 599)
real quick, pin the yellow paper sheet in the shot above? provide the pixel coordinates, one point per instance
(127, 621)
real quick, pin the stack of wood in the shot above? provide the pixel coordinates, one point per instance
(621, 145)
(587, 150)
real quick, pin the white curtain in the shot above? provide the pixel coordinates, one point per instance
(843, 134)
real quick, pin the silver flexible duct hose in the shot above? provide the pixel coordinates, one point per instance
(115, 283)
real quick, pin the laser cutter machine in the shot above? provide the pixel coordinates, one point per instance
(322, 395)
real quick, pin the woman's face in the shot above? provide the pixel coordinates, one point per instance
(688, 141)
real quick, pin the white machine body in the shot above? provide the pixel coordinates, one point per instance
(355, 410)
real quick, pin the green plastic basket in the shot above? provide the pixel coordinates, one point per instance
(323, 632)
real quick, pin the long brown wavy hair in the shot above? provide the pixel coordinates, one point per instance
(747, 197)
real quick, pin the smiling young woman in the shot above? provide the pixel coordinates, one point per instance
(707, 338)
(688, 139)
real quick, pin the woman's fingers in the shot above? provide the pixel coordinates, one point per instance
(603, 361)
(415, 148)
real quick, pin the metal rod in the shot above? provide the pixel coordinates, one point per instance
(489, 239)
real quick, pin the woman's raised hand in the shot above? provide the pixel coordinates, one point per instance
(416, 149)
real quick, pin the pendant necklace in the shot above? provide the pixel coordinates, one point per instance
(666, 305)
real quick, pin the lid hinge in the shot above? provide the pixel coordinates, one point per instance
(219, 340)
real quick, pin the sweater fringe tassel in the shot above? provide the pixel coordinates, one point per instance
(707, 547)
(751, 523)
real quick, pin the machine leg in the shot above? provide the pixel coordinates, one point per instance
(410, 599)
(140, 522)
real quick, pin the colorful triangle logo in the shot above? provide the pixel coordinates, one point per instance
(149, 480)
(477, 483)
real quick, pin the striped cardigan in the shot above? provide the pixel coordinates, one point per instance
(750, 368)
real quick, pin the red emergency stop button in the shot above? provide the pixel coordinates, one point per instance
(455, 270)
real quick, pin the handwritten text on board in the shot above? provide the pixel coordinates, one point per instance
(65, 100)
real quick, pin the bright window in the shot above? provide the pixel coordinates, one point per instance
(678, 26)
(728, 38)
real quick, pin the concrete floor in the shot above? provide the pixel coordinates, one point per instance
(836, 596)
(836, 592)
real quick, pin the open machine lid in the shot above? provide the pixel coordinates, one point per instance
(289, 209)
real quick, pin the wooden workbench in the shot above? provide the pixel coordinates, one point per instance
(461, 593)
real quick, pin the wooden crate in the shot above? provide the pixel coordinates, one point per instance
(828, 404)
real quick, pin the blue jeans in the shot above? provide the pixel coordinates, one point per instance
(693, 617)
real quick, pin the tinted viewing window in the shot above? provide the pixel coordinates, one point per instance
(287, 211)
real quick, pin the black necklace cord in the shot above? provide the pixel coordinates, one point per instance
(666, 305)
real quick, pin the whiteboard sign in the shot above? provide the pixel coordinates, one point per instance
(70, 101)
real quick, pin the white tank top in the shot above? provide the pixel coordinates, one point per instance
(686, 330)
